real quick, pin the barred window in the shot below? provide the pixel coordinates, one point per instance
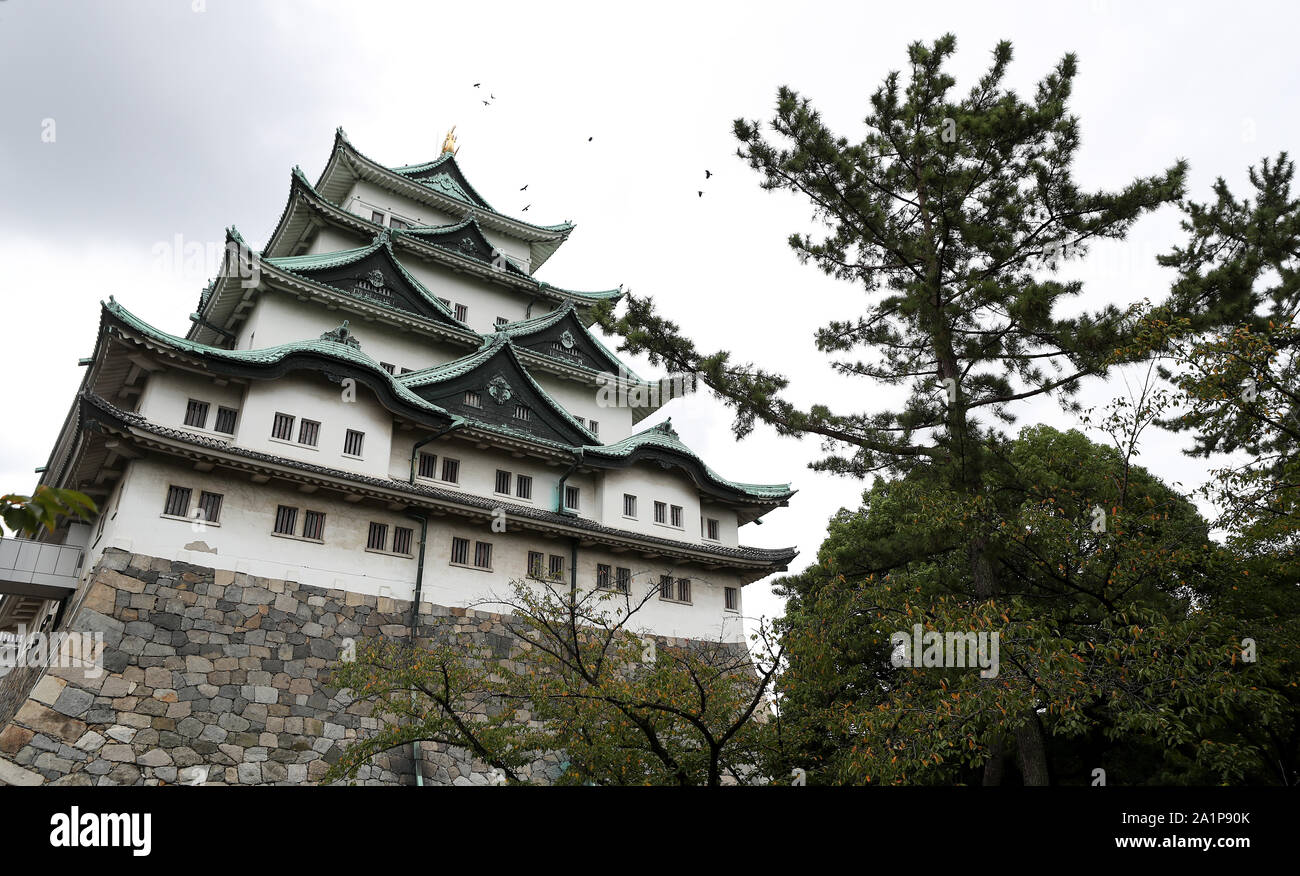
(524, 486)
(313, 525)
(683, 589)
(460, 551)
(677, 515)
(522, 413)
(501, 320)
(226, 418)
(503, 482)
(483, 554)
(661, 512)
(593, 427)
(286, 520)
(731, 595)
(462, 312)
(178, 501)
(210, 505)
(451, 470)
(666, 587)
(622, 579)
(196, 413)
(378, 536)
(582, 421)
(711, 527)
(353, 441)
(571, 496)
(629, 505)
(283, 427)
(602, 576)
(402, 537)
(557, 567)
(446, 302)
(388, 366)
(535, 562)
(428, 467)
(376, 217)
(473, 399)
(398, 224)
(309, 433)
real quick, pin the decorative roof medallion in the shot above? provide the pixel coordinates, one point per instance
(341, 335)
(568, 340)
(499, 388)
(376, 278)
(467, 246)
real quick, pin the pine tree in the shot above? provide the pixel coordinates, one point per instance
(952, 214)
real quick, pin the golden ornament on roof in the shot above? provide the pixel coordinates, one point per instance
(449, 142)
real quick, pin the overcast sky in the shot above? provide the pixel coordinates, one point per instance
(180, 118)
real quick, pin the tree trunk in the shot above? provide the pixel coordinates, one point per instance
(1032, 753)
(993, 766)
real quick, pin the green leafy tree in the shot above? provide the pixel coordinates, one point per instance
(951, 214)
(28, 515)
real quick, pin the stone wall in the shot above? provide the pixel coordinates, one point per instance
(218, 674)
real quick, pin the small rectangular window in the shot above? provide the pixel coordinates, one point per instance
(309, 433)
(178, 502)
(460, 551)
(446, 302)
(503, 482)
(602, 576)
(226, 418)
(622, 579)
(731, 596)
(428, 467)
(283, 427)
(571, 496)
(582, 421)
(521, 413)
(711, 529)
(483, 554)
(462, 312)
(593, 427)
(683, 589)
(286, 520)
(536, 560)
(629, 505)
(501, 320)
(210, 506)
(666, 587)
(378, 536)
(451, 470)
(376, 217)
(677, 515)
(313, 525)
(399, 224)
(353, 441)
(473, 399)
(402, 536)
(196, 413)
(661, 512)
(556, 569)
(388, 366)
(524, 486)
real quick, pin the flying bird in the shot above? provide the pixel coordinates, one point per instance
(525, 209)
(493, 96)
(525, 188)
(477, 84)
(701, 194)
(485, 103)
(708, 173)
(589, 139)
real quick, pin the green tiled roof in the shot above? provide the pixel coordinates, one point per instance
(663, 435)
(525, 327)
(492, 345)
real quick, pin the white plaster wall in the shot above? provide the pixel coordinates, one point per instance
(484, 300)
(242, 540)
(279, 319)
(649, 484)
(167, 394)
(310, 396)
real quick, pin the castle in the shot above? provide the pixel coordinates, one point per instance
(381, 416)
